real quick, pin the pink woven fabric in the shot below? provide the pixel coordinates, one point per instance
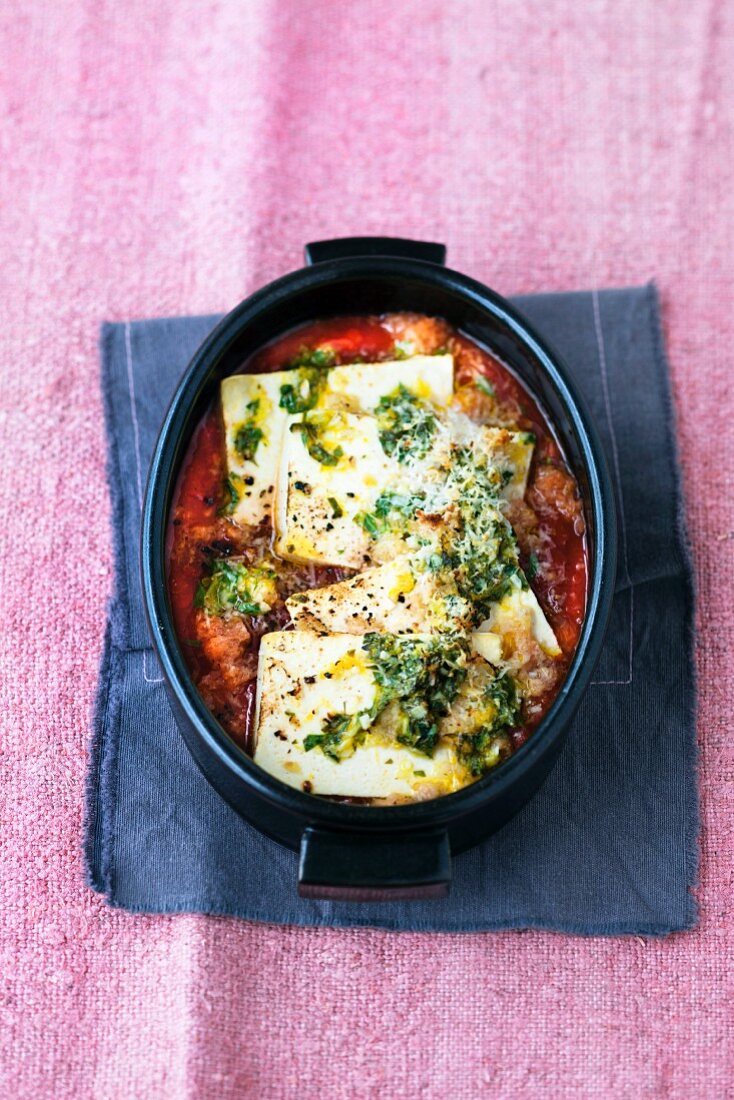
(170, 157)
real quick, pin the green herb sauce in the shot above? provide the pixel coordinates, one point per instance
(311, 429)
(421, 676)
(392, 511)
(406, 424)
(249, 436)
(311, 367)
(490, 745)
(235, 588)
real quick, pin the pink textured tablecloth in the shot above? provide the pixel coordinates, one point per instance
(169, 157)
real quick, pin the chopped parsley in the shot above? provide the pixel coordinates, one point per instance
(336, 509)
(341, 735)
(486, 564)
(319, 358)
(369, 522)
(437, 561)
(402, 349)
(310, 366)
(483, 553)
(247, 440)
(311, 429)
(489, 745)
(249, 435)
(402, 504)
(233, 491)
(233, 587)
(421, 677)
(392, 509)
(406, 424)
(503, 693)
(485, 385)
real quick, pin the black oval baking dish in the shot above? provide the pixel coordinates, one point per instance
(349, 851)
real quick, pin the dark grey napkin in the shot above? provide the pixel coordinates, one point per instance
(607, 846)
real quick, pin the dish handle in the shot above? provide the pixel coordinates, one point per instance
(343, 866)
(341, 248)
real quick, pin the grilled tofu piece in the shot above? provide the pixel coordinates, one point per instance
(428, 377)
(399, 597)
(396, 598)
(304, 681)
(518, 615)
(511, 453)
(332, 471)
(253, 431)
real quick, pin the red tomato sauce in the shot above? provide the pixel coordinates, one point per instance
(549, 523)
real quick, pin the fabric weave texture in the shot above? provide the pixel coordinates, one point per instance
(167, 159)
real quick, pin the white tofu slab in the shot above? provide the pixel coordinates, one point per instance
(316, 504)
(303, 678)
(254, 479)
(397, 598)
(429, 377)
(511, 452)
(515, 612)
(371, 601)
